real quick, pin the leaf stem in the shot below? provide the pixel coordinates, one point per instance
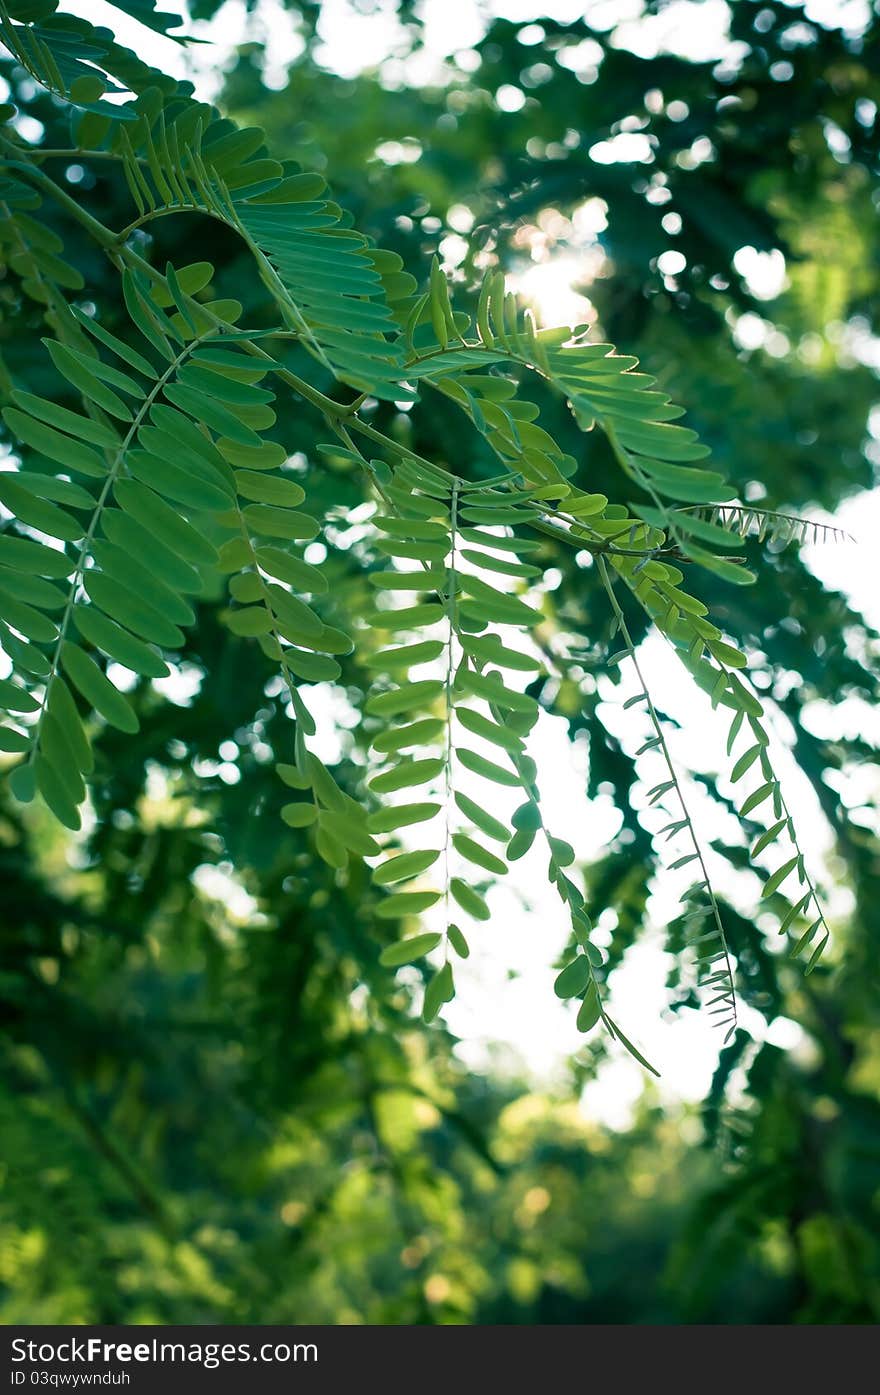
(451, 602)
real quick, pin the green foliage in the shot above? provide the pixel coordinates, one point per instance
(183, 485)
(221, 1099)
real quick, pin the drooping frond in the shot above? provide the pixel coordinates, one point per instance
(80, 63)
(153, 476)
(162, 429)
(180, 155)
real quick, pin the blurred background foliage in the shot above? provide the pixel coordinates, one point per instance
(216, 1106)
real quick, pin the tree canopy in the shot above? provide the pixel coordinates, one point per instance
(287, 456)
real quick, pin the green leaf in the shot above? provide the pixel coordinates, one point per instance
(726, 654)
(480, 856)
(230, 363)
(299, 815)
(412, 617)
(201, 406)
(334, 641)
(694, 525)
(757, 798)
(440, 990)
(140, 543)
(490, 687)
(268, 489)
(401, 816)
(412, 734)
(728, 571)
(268, 455)
(574, 978)
(481, 726)
(520, 844)
(487, 768)
(411, 528)
(97, 689)
(633, 1051)
(31, 589)
(458, 941)
(28, 621)
(413, 551)
(16, 699)
(817, 952)
(493, 606)
(500, 564)
(404, 866)
(469, 900)
(405, 698)
(22, 555)
(405, 903)
(294, 614)
(406, 655)
(492, 827)
(59, 491)
(284, 566)
(55, 793)
(189, 442)
(117, 643)
(775, 880)
(73, 455)
(294, 779)
(125, 568)
(805, 938)
(312, 668)
(594, 954)
(13, 741)
(23, 784)
(742, 698)
(131, 610)
(489, 649)
(56, 758)
(527, 816)
(63, 712)
(590, 1010)
(407, 774)
(687, 485)
(496, 515)
(72, 368)
(683, 861)
(92, 363)
(236, 393)
(795, 909)
(408, 951)
(36, 512)
(522, 546)
(184, 486)
(26, 657)
(348, 830)
(116, 346)
(275, 522)
(563, 853)
(330, 849)
(169, 526)
(234, 554)
(249, 622)
(744, 763)
(768, 836)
